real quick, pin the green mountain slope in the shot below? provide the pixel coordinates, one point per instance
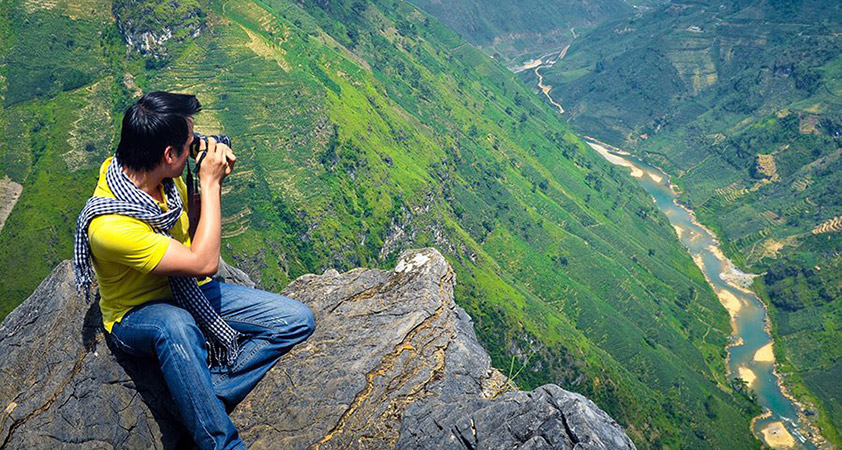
(742, 103)
(363, 129)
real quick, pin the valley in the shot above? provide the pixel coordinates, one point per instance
(751, 359)
(719, 97)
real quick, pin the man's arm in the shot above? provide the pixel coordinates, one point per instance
(202, 258)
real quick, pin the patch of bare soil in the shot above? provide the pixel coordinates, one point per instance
(9, 195)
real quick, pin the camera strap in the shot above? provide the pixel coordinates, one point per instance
(194, 197)
(194, 201)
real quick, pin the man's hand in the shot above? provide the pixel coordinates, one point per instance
(218, 161)
(202, 257)
(231, 158)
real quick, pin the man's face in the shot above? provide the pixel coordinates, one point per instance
(181, 162)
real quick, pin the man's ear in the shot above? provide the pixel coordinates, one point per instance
(170, 156)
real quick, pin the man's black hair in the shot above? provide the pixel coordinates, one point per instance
(157, 120)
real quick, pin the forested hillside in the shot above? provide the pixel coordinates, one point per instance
(363, 129)
(742, 103)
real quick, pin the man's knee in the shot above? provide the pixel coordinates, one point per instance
(309, 321)
(299, 322)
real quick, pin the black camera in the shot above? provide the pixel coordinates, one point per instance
(198, 138)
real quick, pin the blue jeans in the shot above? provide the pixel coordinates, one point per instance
(272, 323)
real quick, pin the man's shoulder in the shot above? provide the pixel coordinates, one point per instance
(115, 225)
(128, 241)
(116, 219)
(102, 189)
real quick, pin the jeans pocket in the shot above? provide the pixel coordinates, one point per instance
(119, 343)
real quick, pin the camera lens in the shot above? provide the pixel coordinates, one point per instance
(196, 145)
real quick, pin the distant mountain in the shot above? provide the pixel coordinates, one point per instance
(514, 31)
(362, 129)
(742, 103)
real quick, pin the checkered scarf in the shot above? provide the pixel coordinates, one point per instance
(132, 202)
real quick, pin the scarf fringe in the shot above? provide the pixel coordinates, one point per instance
(223, 354)
(84, 280)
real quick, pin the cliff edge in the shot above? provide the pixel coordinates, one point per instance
(393, 363)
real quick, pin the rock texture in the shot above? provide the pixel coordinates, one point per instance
(393, 363)
(148, 27)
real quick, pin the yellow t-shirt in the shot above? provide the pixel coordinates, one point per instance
(124, 251)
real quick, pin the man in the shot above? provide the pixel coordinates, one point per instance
(136, 230)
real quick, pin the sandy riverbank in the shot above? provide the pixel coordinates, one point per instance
(765, 353)
(528, 65)
(693, 219)
(729, 301)
(679, 231)
(614, 159)
(747, 374)
(776, 435)
(688, 234)
(697, 258)
(611, 148)
(730, 273)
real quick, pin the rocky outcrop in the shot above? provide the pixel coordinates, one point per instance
(149, 26)
(393, 363)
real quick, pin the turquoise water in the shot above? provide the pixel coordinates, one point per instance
(749, 322)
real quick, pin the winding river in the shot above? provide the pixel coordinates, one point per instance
(750, 355)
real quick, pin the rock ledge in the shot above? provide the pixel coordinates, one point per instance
(393, 363)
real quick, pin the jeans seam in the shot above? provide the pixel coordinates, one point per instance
(257, 347)
(249, 322)
(251, 354)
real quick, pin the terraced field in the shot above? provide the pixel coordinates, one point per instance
(731, 192)
(76, 9)
(766, 166)
(92, 131)
(236, 224)
(801, 184)
(773, 218)
(693, 59)
(833, 225)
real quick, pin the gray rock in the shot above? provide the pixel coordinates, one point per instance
(149, 28)
(233, 275)
(393, 363)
